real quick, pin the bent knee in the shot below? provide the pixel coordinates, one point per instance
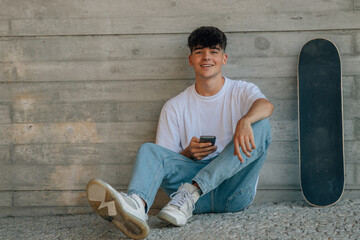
(264, 124)
(147, 146)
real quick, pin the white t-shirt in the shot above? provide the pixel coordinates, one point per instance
(190, 114)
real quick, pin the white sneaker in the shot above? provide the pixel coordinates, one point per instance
(181, 205)
(126, 212)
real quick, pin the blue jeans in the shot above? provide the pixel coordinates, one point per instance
(227, 184)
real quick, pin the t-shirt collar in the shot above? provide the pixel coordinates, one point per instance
(210, 98)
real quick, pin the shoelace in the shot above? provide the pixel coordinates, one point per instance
(180, 197)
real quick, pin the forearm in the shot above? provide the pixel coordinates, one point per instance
(259, 110)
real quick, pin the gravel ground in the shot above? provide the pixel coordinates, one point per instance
(285, 220)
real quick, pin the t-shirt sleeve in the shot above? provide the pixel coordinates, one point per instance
(168, 134)
(249, 95)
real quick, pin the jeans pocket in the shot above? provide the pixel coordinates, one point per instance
(240, 200)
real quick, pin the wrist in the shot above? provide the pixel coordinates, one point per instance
(246, 119)
(186, 153)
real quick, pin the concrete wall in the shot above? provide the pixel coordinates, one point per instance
(82, 83)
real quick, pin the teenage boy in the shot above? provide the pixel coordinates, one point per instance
(199, 177)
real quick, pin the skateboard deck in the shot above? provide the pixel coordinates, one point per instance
(320, 118)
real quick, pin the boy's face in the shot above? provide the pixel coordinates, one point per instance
(207, 62)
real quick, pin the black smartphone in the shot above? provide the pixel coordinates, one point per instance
(204, 139)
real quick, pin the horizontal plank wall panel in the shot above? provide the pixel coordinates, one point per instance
(70, 154)
(357, 41)
(5, 157)
(85, 111)
(62, 177)
(119, 47)
(57, 92)
(150, 69)
(279, 175)
(113, 8)
(5, 199)
(125, 153)
(32, 98)
(78, 132)
(286, 109)
(89, 132)
(4, 28)
(41, 211)
(275, 175)
(50, 199)
(82, 84)
(231, 22)
(65, 112)
(153, 69)
(5, 113)
(350, 180)
(27, 94)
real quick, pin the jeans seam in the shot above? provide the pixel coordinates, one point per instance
(260, 148)
(233, 196)
(212, 200)
(157, 175)
(236, 195)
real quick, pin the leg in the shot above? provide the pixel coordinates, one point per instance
(157, 166)
(235, 193)
(226, 183)
(228, 167)
(126, 211)
(238, 192)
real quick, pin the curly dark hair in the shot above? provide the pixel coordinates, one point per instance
(207, 37)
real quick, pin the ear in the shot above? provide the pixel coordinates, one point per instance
(190, 61)
(225, 57)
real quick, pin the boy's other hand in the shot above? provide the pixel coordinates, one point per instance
(244, 139)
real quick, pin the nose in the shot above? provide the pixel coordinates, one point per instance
(206, 55)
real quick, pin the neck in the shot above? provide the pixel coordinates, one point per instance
(209, 87)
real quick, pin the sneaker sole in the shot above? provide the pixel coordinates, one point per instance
(105, 203)
(168, 218)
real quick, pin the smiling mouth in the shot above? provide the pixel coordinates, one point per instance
(206, 65)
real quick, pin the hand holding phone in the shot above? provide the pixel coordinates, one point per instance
(199, 148)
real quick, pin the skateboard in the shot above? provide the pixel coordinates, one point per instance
(320, 118)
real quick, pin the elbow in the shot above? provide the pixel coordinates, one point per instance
(270, 109)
